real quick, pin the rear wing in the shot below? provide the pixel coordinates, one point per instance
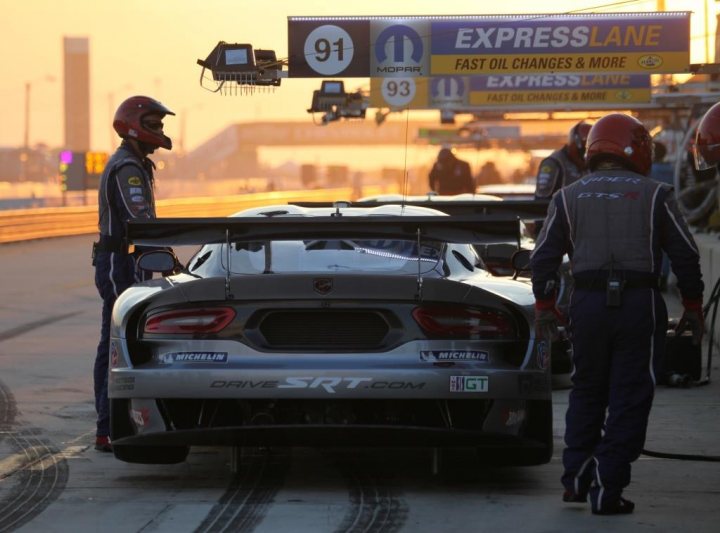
(464, 229)
(523, 209)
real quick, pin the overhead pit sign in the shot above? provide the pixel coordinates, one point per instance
(629, 42)
(567, 90)
(526, 91)
(651, 43)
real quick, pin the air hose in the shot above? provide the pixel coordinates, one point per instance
(711, 303)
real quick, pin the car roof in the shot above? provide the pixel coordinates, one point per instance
(431, 197)
(296, 210)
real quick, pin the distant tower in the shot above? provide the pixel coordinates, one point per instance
(77, 93)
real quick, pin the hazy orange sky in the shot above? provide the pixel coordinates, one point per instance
(151, 47)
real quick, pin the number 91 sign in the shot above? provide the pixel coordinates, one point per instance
(328, 50)
(319, 50)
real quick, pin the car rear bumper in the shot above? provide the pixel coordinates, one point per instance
(331, 435)
(429, 382)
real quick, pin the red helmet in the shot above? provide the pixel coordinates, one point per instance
(129, 121)
(707, 139)
(577, 141)
(622, 138)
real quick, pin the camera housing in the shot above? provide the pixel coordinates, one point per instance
(332, 100)
(239, 63)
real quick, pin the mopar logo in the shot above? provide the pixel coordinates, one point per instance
(399, 34)
(447, 87)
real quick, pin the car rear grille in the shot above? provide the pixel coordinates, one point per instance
(336, 329)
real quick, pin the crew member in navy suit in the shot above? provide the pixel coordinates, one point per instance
(126, 192)
(614, 223)
(565, 165)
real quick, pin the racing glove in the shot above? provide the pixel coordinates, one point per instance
(692, 319)
(547, 319)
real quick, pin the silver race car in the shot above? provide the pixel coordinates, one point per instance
(328, 326)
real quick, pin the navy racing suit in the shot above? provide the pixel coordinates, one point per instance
(556, 171)
(125, 192)
(613, 224)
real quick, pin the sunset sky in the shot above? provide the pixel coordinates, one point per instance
(151, 47)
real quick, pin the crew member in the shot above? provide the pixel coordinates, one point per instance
(565, 165)
(706, 150)
(125, 192)
(450, 175)
(614, 224)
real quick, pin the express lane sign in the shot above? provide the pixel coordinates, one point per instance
(511, 91)
(640, 43)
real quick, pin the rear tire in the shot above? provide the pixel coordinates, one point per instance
(121, 426)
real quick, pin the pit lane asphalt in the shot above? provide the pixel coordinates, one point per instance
(49, 321)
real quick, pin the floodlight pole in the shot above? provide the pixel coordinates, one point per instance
(25, 156)
(26, 136)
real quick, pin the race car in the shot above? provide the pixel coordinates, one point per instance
(328, 326)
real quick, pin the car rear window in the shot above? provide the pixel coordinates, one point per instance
(334, 255)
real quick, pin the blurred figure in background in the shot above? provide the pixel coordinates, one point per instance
(488, 174)
(662, 171)
(450, 175)
(563, 166)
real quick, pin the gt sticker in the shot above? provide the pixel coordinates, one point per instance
(455, 355)
(136, 190)
(134, 180)
(137, 199)
(193, 357)
(469, 383)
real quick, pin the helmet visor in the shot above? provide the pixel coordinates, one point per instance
(703, 156)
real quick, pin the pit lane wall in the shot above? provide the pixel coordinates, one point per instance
(40, 223)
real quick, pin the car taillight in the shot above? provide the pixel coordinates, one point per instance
(455, 322)
(202, 320)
